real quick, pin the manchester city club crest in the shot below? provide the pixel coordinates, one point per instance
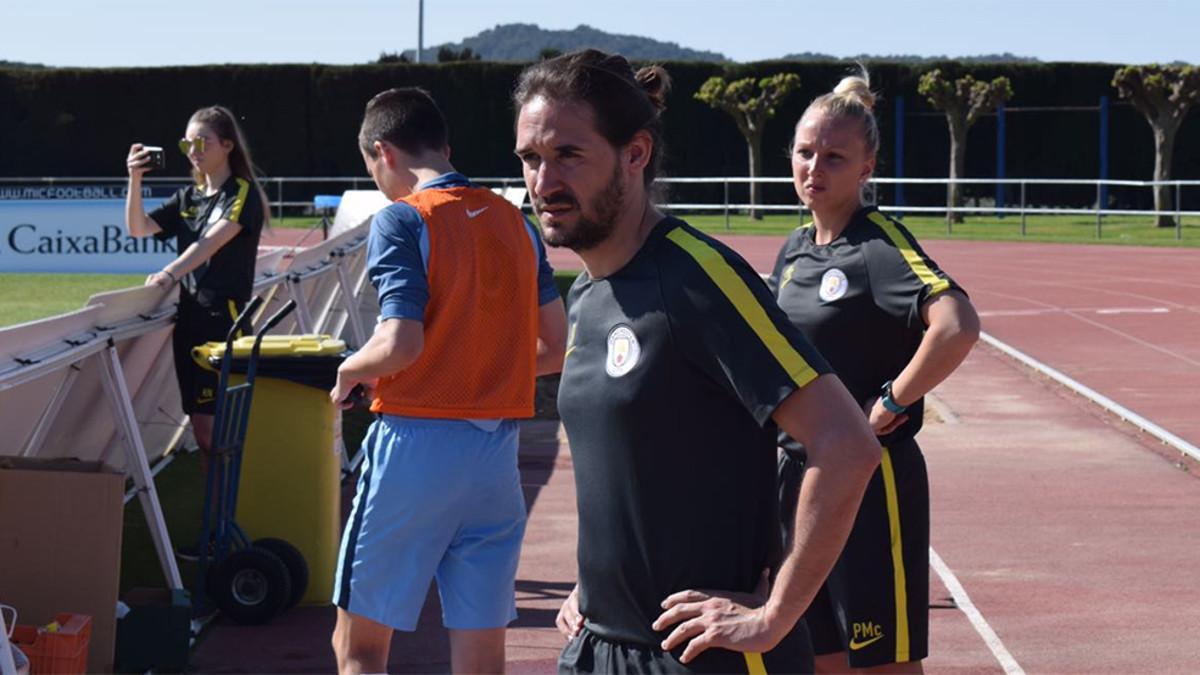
(623, 351)
(833, 285)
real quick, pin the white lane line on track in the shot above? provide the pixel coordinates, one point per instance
(1134, 310)
(1095, 397)
(1062, 310)
(1087, 289)
(1133, 338)
(1010, 665)
(1076, 315)
(1050, 275)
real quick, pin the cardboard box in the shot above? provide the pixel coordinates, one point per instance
(60, 545)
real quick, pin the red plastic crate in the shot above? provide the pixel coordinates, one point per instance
(64, 652)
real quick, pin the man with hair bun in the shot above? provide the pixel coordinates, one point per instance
(892, 325)
(679, 365)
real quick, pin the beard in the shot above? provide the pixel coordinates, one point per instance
(595, 224)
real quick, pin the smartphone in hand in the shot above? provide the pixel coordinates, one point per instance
(157, 159)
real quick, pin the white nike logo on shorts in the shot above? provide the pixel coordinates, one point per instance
(472, 214)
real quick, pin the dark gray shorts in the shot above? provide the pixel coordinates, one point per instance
(589, 653)
(875, 604)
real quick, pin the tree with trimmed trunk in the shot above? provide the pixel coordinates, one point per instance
(751, 103)
(964, 100)
(1164, 94)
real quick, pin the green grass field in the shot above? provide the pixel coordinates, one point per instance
(297, 222)
(25, 297)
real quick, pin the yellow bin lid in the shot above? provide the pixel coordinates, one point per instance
(276, 346)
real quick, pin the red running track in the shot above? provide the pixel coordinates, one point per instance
(1122, 320)
(1075, 541)
(1077, 545)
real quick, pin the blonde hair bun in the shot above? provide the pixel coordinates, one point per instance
(856, 88)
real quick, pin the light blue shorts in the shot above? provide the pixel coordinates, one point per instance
(436, 499)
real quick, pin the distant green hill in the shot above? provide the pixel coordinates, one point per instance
(526, 41)
(913, 58)
(18, 64)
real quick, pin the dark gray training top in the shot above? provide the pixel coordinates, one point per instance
(189, 214)
(674, 366)
(858, 300)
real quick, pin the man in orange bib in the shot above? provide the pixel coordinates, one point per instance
(469, 315)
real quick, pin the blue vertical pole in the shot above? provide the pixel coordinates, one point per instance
(1103, 151)
(1000, 132)
(899, 152)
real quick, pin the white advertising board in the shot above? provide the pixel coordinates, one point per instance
(76, 235)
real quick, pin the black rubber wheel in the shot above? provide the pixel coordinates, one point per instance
(251, 585)
(296, 565)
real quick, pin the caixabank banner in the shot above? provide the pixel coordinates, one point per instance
(76, 235)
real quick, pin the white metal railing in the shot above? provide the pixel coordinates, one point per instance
(1023, 209)
(1018, 206)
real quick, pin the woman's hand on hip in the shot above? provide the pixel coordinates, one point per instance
(883, 421)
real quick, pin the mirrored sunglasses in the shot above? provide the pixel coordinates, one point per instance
(186, 145)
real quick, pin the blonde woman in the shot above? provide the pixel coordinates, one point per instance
(892, 325)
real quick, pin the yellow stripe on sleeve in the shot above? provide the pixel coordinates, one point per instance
(915, 260)
(239, 201)
(570, 341)
(233, 312)
(893, 509)
(754, 663)
(735, 289)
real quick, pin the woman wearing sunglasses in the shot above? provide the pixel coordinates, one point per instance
(215, 223)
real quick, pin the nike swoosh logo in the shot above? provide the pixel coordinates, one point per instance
(472, 214)
(854, 646)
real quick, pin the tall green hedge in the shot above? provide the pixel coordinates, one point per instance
(302, 121)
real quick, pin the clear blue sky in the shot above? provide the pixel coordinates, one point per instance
(167, 32)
